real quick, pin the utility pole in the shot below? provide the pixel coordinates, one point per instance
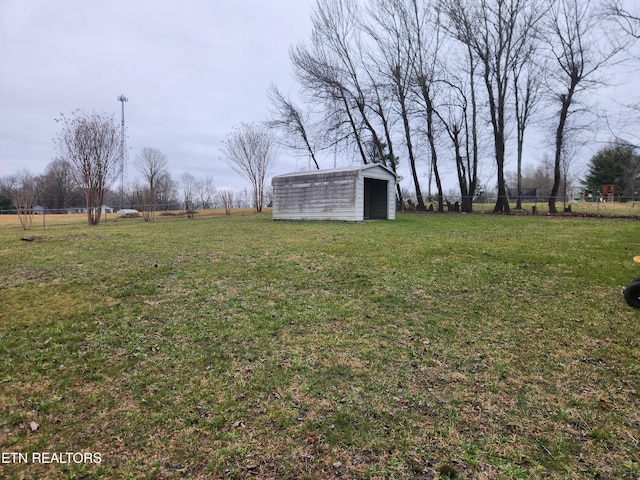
(123, 152)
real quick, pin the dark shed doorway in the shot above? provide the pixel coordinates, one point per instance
(375, 199)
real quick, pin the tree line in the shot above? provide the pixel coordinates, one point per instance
(448, 83)
(88, 165)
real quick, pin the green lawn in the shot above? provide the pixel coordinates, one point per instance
(433, 346)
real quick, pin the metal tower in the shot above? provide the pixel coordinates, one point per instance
(123, 153)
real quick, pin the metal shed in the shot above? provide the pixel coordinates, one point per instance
(351, 194)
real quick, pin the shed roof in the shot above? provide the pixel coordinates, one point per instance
(350, 168)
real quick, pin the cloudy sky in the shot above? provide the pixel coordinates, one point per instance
(192, 70)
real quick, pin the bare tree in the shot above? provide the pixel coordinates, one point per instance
(25, 191)
(628, 21)
(290, 120)
(426, 70)
(205, 190)
(390, 30)
(496, 31)
(60, 187)
(250, 151)
(458, 112)
(527, 80)
(381, 107)
(152, 164)
(330, 71)
(454, 116)
(575, 41)
(90, 143)
(188, 186)
(166, 191)
(226, 199)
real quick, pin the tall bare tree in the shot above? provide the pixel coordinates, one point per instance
(251, 152)
(381, 107)
(90, 143)
(152, 164)
(289, 119)
(389, 29)
(426, 73)
(579, 50)
(454, 115)
(336, 25)
(496, 31)
(458, 112)
(527, 80)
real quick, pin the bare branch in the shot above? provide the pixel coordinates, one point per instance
(249, 151)
(89, 142)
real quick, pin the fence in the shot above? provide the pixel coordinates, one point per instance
(540, 206)
(43, 219)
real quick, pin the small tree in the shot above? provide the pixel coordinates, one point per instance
(24, 194)
(205, 191)
(152, 164)
(89, 142)
(188, 185)
(250, 151)
(226, 198)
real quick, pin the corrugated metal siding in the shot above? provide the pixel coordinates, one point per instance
(328, 195)
(391, 197)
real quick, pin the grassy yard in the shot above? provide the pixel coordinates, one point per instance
(434, 346)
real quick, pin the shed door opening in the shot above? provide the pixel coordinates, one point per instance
(375, 199)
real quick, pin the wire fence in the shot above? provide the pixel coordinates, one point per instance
(540, 206)
(43, 218)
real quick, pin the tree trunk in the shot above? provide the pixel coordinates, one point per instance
(557, 173)
(407, 133)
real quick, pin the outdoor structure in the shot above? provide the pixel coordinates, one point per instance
(352, 194)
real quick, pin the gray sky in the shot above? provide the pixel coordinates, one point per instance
(192, 70)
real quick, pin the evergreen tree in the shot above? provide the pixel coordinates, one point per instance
(615, 164)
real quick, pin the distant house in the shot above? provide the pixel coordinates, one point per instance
(351, 194)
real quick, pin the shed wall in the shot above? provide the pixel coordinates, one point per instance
(329, 196)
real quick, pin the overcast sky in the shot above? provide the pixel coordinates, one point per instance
(192, 71)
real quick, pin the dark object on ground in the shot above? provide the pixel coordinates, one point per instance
(632, 293)
(27, 239)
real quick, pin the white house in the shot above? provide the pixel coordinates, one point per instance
(351, 194)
